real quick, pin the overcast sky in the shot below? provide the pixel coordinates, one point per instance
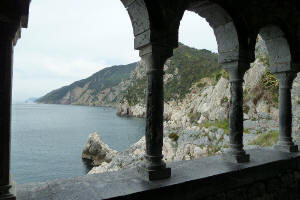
(68, 40)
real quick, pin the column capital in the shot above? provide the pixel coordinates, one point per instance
(236, 69)
(285, 79)
(155, 55)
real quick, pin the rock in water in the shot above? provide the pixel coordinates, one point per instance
(134, 155)
(97, 151)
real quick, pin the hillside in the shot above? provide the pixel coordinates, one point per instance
(197, 89)
(101, 89)
(122, 83)
(196, 117)
(186, 67)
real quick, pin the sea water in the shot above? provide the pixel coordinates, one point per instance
(47, 140)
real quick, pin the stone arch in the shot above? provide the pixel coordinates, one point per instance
(278, 49)
(226, 33)
(139, 17)
(234, 47)
(155, 22)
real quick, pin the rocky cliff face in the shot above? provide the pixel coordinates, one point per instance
(195, 142)
(127, 83)
(104, 88)
(196, 122)
(173, 149)
(207, 98)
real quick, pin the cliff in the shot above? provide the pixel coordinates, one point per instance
(196, 114)
(206, 97)
(103, 88)
(127, 83)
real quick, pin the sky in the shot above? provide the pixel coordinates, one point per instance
(68, 40)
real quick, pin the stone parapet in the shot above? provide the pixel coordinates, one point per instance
(269, 175)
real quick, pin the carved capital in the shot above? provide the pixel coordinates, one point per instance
(236, 70)
(155, 57)
(285, 79)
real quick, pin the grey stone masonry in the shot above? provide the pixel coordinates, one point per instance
(236, 24)
(285, 142)
(154, 167)
(270, 175)
(236, 71)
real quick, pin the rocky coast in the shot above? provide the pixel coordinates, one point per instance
(197, 126)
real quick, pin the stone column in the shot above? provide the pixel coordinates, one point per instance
(154, 57)
(6, 55)
(285, 142)
(236, 71)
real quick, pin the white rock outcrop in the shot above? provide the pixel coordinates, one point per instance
(172, 151)
(210, 103)
(97, 151)
(125, 109)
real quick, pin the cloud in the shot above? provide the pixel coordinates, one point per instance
(195, 31)
(68, 40)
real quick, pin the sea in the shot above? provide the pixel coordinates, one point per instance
(47, 140)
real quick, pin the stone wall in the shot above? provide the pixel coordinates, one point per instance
(269, 175)
(283, 186)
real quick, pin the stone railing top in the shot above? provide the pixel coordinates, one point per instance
(187, 175)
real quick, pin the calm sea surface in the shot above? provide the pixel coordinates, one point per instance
(47, 140)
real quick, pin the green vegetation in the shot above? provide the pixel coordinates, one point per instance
(271, 85)
(136, 93)
(224, 124)
(173, 136)
(212, 149)
(266, 139)
(192, 65)
(106, 78)
(224, 100)
(246, 108)
(188, 66)
(194, 117)
(201, 85)
(215, 144)
(246, 131)
(266, 89)
(218, 74)
(297, 100)
(119, 165)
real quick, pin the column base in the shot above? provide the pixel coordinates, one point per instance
(240, 158)
(152, 175)
(7, 192)
(286, 148)
(7, 197)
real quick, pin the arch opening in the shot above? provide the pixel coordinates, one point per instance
(58, 49)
